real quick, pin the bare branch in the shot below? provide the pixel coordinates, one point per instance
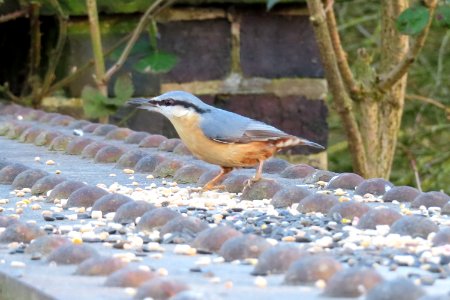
(341, 99)
(413, 162)
(441, 60)
(55, 54)
(5, 89)
(76, 74)
(96, 42)
(329, 5)
(341, 56)
(429, 101)
(33, 80)
(79, 71)
(391, 78)
(416, 175)
(14, 15)
(155, 8)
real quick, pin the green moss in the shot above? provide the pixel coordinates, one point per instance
(197, 2)
(78, 7)
(124, 6)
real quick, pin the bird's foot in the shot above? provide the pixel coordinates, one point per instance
(249, 182)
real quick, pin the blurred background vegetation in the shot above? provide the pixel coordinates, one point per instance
(423, 152)
(424, 141)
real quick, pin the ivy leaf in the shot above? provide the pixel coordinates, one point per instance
(413, 20)
(94, 103)
(158, 62)
(270, 4)
(98, 110)
(140, 48)
(443, 15)
(91, 94)
(123, 87)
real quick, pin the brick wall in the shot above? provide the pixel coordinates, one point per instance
(264, 65)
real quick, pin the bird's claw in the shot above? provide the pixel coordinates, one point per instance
(248, 183)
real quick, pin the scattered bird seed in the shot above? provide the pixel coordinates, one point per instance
(260, 282)
(18, 264)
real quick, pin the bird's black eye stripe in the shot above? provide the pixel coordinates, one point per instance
(165, 102)
(173, 102)
(169, 102)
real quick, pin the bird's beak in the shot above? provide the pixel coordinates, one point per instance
(142, 102)
(312, 144)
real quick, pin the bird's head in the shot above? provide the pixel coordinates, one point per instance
(172, 104)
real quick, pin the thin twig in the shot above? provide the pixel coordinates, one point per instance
(412, 161)
(357, 21)
(31, 81)
(79, 71)
(416, 175)
(439, 160)
(341, 99)
(96, 42)
(329, 5)
(341, 56)
(55, 54)
(440, 62)
(5, 89)
(125, 119)
(429, 100)
(386, 81)
(154, 8)
(35, 29)
(14, 15)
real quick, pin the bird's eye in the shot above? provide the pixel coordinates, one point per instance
(169, 102)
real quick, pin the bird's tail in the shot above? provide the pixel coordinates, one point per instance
(293, 141)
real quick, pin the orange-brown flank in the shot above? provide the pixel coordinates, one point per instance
(222, 154)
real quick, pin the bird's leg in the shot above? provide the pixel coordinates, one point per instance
(211, 185)
(257, 176)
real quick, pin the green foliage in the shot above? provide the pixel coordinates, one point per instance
(149, 58)
(413, 20)
(157, 62)
(424, 138)
(97, 105)
(443, 15)
(139, 47)
(123, 88)
(78, 7)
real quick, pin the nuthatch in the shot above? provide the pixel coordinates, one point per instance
(218, 136)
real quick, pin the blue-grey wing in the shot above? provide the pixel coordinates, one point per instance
(228, 127)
